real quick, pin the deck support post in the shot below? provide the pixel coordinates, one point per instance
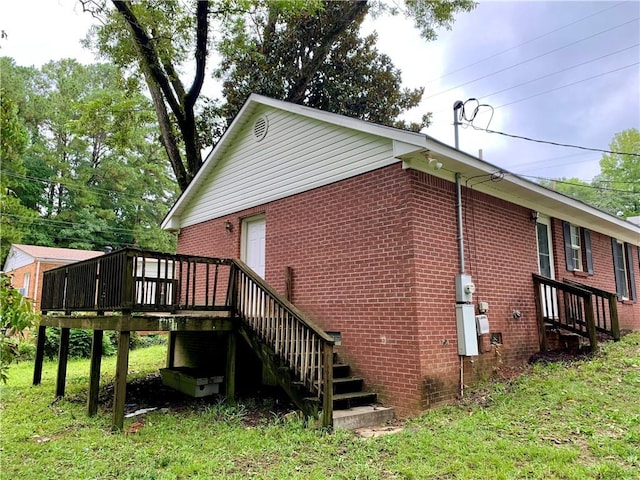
(327, 387)
(120, 383)
(37, 368)
(542, 331)
(591, 323)
(63, 355)
(94, 373)
(230, 375)
(171, 350)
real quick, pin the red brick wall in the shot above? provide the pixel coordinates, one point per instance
(374, 257)
(603, 274)
(35, 284)
(500, 254)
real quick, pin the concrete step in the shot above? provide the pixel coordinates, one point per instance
(360, 417)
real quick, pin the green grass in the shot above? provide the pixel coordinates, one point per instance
(561, 421)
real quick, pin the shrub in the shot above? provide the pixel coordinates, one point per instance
(79, 343)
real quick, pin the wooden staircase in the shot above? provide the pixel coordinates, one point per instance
(347, 390)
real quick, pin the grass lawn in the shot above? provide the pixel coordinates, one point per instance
(565, 421)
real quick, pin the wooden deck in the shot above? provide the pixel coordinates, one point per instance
(218, 321)
(133, 290)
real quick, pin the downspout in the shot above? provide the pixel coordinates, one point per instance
(456, 106)
(35, 284)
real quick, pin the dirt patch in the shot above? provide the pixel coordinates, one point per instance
(555, 356)
(262, 407)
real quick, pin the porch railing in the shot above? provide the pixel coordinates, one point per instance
(132, 280)
(576, 308)
(135, 280)
(304, 347)
(605, 309)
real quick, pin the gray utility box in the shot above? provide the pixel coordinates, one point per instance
(191, 381)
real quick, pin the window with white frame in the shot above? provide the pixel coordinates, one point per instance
(576, 247)
(25, 284)
(623, 270)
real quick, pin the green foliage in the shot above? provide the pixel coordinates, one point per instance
(91, 172)
(617, 188)
(315, 58)
(573, 421)
(306, 52)
(80, 342)
(16, 315)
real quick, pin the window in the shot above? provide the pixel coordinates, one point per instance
(577, 248)
(27, 280)
(623, 270)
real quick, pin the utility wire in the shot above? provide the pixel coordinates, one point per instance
(567, 85)
(593, 187)
(558, 71)
(523, 43)
(532, 58)
(555, 143)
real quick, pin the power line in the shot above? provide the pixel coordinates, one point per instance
(558, 71)
(593, 187)
(523, 43)
(531, 59)
(567, 85)
(554, 143)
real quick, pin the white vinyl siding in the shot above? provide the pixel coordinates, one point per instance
(297, 154)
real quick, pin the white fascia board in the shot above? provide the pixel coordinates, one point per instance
(520, 191)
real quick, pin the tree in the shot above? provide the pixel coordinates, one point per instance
(92, 168)
(292, 56)
(620, 173)
(616, 189)
(16, 315)
(15, 218)
(159, 35)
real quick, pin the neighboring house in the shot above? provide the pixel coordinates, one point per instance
(26, 263)
(358, 224)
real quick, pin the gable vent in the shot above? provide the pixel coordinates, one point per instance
(260, 128)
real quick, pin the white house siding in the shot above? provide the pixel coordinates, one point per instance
(296, 155)
(16, 259)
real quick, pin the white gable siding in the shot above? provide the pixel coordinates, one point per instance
(297, 154)
(16, 259)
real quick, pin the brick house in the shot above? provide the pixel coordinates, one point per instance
(26, 264)
(375, 234)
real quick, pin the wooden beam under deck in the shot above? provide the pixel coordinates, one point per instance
(152, 322)
(125, 324)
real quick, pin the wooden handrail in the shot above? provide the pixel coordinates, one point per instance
(305, 348)
(576, 314)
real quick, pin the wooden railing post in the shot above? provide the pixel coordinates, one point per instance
(613, 313)
(327, 386)
(542, 331)
(128, 282)
(591, 322)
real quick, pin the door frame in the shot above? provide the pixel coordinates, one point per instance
(243, 234)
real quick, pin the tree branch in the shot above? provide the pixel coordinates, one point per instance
(148, 55)
(202, 33)
(319, 54)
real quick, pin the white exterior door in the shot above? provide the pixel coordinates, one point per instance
(253, 243)
(545, 266)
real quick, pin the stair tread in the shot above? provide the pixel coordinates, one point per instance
(350, 395)
(347, 379)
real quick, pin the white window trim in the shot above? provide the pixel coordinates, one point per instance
(576, 247)
(627, 279)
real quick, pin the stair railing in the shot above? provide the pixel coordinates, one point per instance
(303, 346)
(605, 306)
(564, 306)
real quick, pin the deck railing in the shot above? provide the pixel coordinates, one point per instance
(132, 280)
(605, 309)
(135, 280)
(576, 308)
(304, 347)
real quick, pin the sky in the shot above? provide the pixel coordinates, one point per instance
(566, 72)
